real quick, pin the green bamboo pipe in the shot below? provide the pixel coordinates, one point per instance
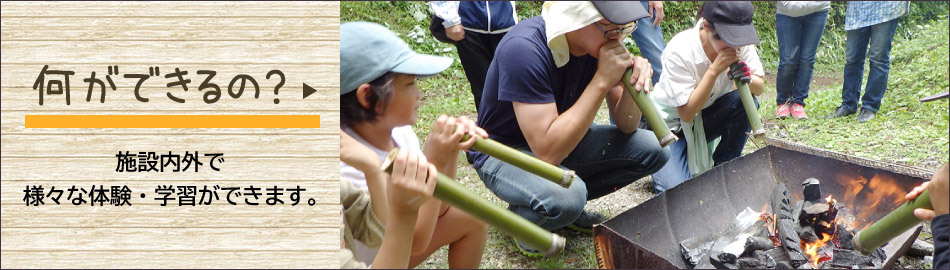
(508, 222)
(648, 109)
(524, 161)
(750, 110)
(891, 225)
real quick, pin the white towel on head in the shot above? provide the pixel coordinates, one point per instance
(561, 17)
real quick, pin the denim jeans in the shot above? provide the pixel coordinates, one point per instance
(605, 160)
(649, 39)
(798, 39)
(875, 43)
(725, 118)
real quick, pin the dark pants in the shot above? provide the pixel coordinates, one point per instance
(476, 51)
(725, 118)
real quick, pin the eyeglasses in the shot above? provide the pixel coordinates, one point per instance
(621, 31)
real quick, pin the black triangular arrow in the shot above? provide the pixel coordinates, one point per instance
(307, 90)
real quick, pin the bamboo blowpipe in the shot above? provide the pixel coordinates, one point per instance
(891, 225)
(508, 222)
(524, 161)
(659, 127)
(751, 111)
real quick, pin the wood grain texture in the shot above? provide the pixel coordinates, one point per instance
(301, 39)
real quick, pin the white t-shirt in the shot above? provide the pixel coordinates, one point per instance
(685, 63)
(404, 137)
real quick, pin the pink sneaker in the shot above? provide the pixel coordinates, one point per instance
(782, 111)
(798, 111)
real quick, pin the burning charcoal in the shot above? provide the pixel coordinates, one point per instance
(849, 258)
(805, 266)
(812, 190)
(750, 263)
(723, 260)
(844, 237)
(820, 216)
(754, 243)
(694, 248)
(807, 234)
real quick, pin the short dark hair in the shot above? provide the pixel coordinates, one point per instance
(381, 90)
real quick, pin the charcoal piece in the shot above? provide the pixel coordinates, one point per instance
(805, 266)
(790, 241)
(754, 243)
(783, 265)
(749, 263)
(694, 248)
(807, 234)
(820, 216)
(878, 258)
(723, 260)
(797, 211)
(780, 202)
(849, 258)
(811, 189)
(774, 256)
(844, 237)
(921, 249)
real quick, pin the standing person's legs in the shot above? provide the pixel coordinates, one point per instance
(813, 26)
(649, 39)
(879, 53)
(475, 55)
(726, 118)
(856, 50)
(789, 33)
(676, 170)
(538, 200)
(609, 159)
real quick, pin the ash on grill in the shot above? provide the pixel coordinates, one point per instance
(803, 235)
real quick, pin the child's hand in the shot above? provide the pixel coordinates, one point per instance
(466, 126)
(411, 183)
(358, 155)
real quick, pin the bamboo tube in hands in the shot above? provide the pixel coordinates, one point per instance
(648, 109)
(757, 131)
(891, 225)
(508, 222)
(526, 162)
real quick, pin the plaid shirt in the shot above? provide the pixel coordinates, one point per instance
(867, 13)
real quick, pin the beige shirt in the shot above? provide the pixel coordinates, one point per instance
(359, 223)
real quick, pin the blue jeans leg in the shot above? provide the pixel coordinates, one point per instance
(676, 170)
(879, 52)
(538, 200)
(813, 26)
(609, 160)
(789, 33)
(855, 50)
(649, 39)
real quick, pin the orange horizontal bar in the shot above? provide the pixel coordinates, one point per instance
(172, 121)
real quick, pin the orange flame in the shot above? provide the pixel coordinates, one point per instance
(811, 249)
(865, 196)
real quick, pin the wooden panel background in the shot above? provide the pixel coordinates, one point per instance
(299, 38)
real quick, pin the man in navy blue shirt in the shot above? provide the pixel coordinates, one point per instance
(544, 87)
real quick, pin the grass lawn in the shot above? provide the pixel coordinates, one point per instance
(905, 131)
